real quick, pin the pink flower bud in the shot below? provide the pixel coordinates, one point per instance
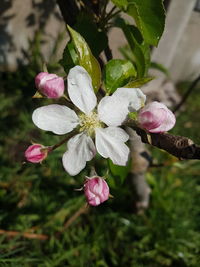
(156, 118)
(96, 190)
(36, 153)
(50, 85)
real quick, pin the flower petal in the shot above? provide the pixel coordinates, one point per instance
(134, 96)
(113, 110)
(110, 144)
(96, 190)
(80, 89)
(55, 118)
(167, 125)
(80, 149)
(156, 117)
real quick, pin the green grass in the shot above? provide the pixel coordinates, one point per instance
(43, 196)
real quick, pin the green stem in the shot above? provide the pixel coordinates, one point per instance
(65, 97)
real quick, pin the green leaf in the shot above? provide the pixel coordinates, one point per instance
(86, 58)
(138, 82)
(119, 171)
(160, 67)
(139, 48)
(96, 39)
(149, 16)
(121, 3)
(117, 72)
(141, 51)
(70, 57)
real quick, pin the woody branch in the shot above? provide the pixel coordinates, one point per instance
(178, 146)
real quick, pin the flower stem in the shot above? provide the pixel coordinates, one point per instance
(65, 97)
(62, 141)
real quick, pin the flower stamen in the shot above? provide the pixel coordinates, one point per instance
(89, 122)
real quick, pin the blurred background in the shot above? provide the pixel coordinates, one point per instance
(43, 220)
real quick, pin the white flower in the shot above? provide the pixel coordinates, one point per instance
(111, 111)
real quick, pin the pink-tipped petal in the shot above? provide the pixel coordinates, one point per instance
(36, 153)
(41, 76)
(50, 85)
(96, 190)
(156, 118)
(54, 88)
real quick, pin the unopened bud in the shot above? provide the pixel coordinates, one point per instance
(96, 190)
(36, 153)
(156, 118)
(50, 85)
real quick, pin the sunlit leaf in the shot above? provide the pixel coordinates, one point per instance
(149, 17)
(86, 58)
(138, 82)
(139, 48)
(117, 72)
(121, 3)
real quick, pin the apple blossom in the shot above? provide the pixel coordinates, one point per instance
(50, 85)
(111, 111)
(36, 153)
(156, 118)
(96, 190)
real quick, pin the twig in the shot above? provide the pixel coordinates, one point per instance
(103, 8)
(69, 11)
(108, 53)
(187, 94)
(25, 235)
(178, 146)
(4, 185)
(111, 11)
(83, 209)
(62, 141)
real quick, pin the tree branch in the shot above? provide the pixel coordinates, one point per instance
(69, 10)
(178, 146)
(187, 94)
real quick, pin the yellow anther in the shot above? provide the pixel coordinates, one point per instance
(89, 122)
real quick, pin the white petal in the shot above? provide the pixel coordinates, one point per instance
(80, 89)
(80, 149)
(55, 118)
(167, 125)
(134, 95)
(113, 110)
(110, 144)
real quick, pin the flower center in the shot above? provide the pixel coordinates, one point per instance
(89, 122)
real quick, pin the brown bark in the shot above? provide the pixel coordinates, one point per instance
(178, 146)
